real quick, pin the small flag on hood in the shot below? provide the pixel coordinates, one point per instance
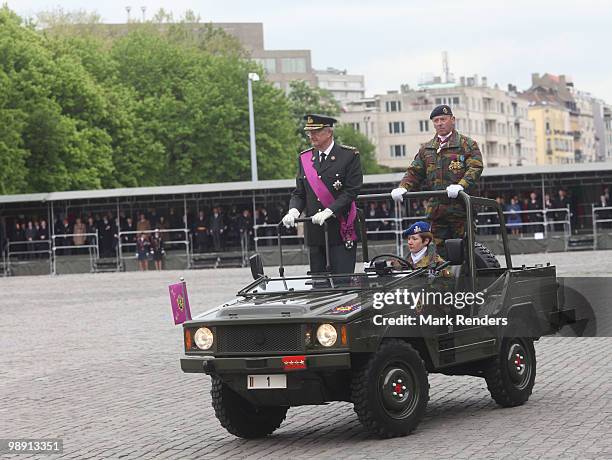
(179, 302)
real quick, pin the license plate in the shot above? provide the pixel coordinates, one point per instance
(266, 382)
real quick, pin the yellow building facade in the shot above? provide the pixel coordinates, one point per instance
(553, 134)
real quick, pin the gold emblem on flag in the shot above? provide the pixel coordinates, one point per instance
(455, 166)
(180, 302)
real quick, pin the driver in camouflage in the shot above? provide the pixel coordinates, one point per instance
(423, 253)
(452, 162)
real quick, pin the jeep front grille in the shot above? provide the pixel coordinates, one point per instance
(260, 338)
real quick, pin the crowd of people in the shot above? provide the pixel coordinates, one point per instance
(142, 232)
(218, 229)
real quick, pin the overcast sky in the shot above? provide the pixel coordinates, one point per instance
(395, 42)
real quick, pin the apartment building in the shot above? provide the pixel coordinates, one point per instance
(398, 122)
(343, 86)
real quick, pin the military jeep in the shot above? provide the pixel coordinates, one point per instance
(297, 340)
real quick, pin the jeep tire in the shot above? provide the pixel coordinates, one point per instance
(239, 417)
(390, 390)
(510, 376)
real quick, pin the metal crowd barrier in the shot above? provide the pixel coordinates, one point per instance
(92, 249)
(28, 252)
(598, 221)
(121, 245)
(546, 223)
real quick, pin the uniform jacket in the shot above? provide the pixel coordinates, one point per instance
(431, 259)
(459, 162)
(341, 173)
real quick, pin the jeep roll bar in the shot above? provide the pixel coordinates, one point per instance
(468, 200)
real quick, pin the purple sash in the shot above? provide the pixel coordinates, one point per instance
(347, 226)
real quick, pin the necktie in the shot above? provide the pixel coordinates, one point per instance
(321, 157)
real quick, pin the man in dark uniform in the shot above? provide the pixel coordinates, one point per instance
(328, 180)
(451, 162)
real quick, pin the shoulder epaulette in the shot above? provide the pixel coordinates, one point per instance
(307, 150)
(350, 147)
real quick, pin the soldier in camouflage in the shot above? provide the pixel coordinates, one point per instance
(451, 162)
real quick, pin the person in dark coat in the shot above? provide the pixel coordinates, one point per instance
(43, 238)
(200, 232)
(157, 249)
(562, 202)
(336, 171)
(533, 204)
(142, 252)
(105, 234)
(245, 228)
(217, 228)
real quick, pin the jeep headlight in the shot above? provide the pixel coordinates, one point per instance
(327, 335)
(203, 338)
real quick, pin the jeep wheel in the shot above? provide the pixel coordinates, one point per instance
(511, 375)
(240, 417)
(390, 391)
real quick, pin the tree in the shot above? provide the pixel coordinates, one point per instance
(345, 134)
(55, 104)
(153, 105)
(195, 104)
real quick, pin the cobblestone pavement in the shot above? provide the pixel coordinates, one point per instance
(94, 359)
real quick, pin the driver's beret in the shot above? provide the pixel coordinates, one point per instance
(416, 228)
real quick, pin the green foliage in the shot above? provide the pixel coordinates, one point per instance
(84, 105)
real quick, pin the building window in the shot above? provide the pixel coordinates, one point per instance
(293, 65)
(424, 126)
(438, 101)
(355, 126)
(393, 106)
(455, 101)
(269, 64)
(397, 151)
(396, 127)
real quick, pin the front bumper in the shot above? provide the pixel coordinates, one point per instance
(262, 364)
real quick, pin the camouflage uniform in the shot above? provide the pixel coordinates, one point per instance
(458, 162)
(441, 283)
(431, 259)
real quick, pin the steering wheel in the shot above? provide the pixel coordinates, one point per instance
(403, 262)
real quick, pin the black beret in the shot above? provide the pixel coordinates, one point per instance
(314, 121)
(440, 110)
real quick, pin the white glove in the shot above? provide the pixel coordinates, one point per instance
(320, 217)
(453, 190)
(289, 219)
(366, 265)
(398, 194)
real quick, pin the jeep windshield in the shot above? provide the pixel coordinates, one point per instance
(323, 283)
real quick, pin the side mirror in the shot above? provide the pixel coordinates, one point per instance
(256, 264)
(454, 251)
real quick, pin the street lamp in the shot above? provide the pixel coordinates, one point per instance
(252, 77)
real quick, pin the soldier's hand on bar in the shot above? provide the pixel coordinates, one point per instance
(289, 219)
(320, 217)
(398, 194)
(453, 190)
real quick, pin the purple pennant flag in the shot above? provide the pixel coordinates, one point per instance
(179, 302)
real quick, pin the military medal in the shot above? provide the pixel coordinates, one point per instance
(337, 185)
(455, 166)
